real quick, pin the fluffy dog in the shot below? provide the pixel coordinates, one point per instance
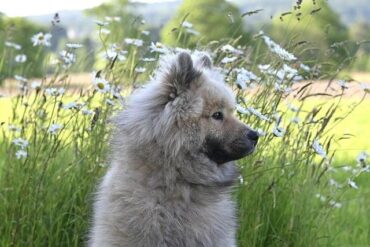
(172, 169)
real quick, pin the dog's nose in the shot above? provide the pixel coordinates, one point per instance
(253, 135)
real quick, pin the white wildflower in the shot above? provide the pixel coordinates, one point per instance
(20, 142)
(343, 84)
(321, 197)
(230, 49)
(54, 128)
(86, 111)
(140, 70)
(277, 117)
(13, 45)
(20, 78)
(319, 149)
(365, 168)
(21, 154)
(21, 58)
(135, 42)
(159, 48)
(228, 59)
(70, 105)
(347, 168)
(352, 184)
(146, 33)
(334, 183)
(115, 51)
(187, 24)
(278, 131)
(41, 39)
(192, 31)
(108, 18)
(105, 31)
(365, 87)
(277, 49)
(305, 67)
(116, 18)
(101, 85)
(241, 179)
(101, 23)
(36, 85)
(295, 120)
(243, 77)
(54, 91)
(109, 102)
(74, 45)
(292, 107)
(148, 59)
(335, 204)
(68, 58)
(241, 109)
(290, 73)
(362, 157)
(258, 114)
(261, 132)
(14, 128)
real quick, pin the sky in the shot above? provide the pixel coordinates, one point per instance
(39, 7)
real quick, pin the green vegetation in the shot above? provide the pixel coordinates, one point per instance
(218, 19)
(307, 185)
(19, 32)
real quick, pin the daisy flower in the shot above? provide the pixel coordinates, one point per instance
(21, 154)
(36, 85)
(277, 49)
(74, 45)
(228, 59)
(21, 58)
(278, 131)
(319, 149)
(352, 184)
(13, 45)
(135, 42)
(140, 70)
(230, 49)
(54, 91)
(101, 85)
(41, 39)
(54, 128)
(20, 142)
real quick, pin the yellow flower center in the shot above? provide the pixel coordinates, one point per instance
(100, 85)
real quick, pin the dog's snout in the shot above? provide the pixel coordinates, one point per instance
(253, 135)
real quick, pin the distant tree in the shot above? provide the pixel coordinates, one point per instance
(361, 32)
(314, 22)
(203, 21)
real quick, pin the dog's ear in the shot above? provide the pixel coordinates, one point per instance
(205, 61)
(182, 72)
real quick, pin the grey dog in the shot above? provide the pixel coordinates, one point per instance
(172, 171)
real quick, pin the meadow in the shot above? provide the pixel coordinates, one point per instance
(307, 185)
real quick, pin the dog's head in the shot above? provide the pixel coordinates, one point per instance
(202, 107)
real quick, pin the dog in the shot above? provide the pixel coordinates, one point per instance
(172, 169)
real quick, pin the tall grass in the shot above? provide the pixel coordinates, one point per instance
(291, 192)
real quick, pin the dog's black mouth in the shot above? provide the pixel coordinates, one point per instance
(221, 154)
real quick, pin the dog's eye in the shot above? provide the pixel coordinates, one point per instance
(218, 115)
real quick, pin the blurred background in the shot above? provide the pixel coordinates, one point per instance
(75, 21)
(301, 73)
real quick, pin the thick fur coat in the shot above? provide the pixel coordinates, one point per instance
(172, 170)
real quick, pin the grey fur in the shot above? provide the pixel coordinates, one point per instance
(163, 188)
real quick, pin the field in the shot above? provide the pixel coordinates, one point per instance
(307, 184)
